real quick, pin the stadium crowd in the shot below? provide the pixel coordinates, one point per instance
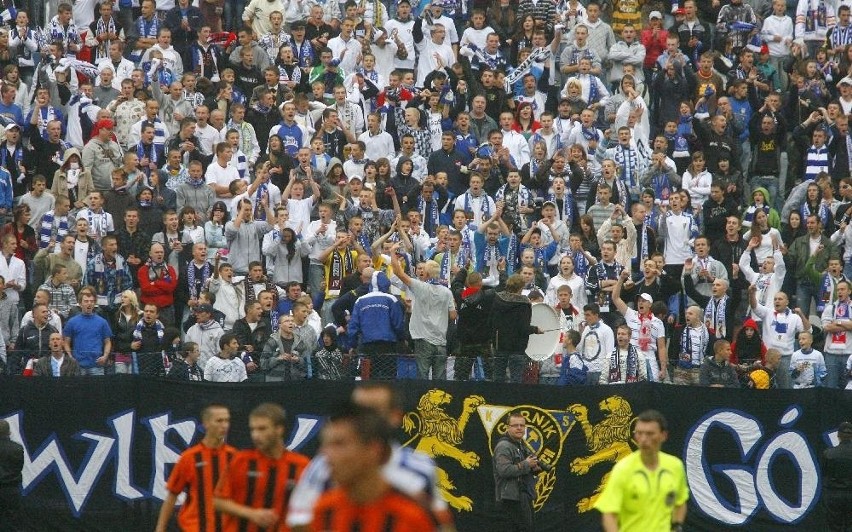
(295, 189)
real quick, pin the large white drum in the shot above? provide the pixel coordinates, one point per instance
(542, 346)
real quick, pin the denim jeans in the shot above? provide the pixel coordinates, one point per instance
(836, 365)
(516, 362)
(430, 357)
(93, 371)
(234, 14)
(805, 293)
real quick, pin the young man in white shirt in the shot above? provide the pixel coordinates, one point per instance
(597, 341)
(647, 332)
(220, 173)
(837, 324)
(226, 366)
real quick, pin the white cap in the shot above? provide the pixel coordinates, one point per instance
(356, 176)
(646, 297)
(845, 81)
(13, 125)
(655, 14)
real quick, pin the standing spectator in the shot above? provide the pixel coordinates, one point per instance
(12, 269)
(123, 326)
(596, 341)
(226, 366)
(807, 365)
(432, 309)
(108, 273)
(33, 340)
(244, 234)
(814, 19)
(835, 465)
(12, 465)
(624, 365)
(185, 366)
(87, 336)
(206, 333)
(148, 336)
(717, 371)
(158, 282)
(377, 326)
(102, 155)
(837, 324)
(62, 296)
(653, 38)
(511, 313)
(57, 363)
(627, 51)
(283, 357)
(252, 333)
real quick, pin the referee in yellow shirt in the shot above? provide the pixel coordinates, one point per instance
(646, 491)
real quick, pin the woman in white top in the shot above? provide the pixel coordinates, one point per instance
(566, 276)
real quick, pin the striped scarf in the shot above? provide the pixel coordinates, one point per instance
(816, 161)
(52, 226)
(691, 357)
(104, 27)
(632, 365)
(715, 316)
(191, 280)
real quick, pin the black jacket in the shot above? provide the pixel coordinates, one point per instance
(510, 322)
(31, 343)
(474, 311)
(11, 464)
(256, 338)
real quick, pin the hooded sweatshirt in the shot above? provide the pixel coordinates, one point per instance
(377, 315)
(745, 350)
(65, 184)
(748, 215)
(510, 322)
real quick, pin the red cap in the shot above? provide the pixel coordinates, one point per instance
(104, 123)
(764, 49)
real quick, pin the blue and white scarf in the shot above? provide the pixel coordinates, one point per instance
(192, 282)
(49, 222)
(715, 316)
(446, 267)
(430, 215)
(259, 211)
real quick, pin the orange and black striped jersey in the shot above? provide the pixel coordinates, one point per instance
(258, 481)
(392, 512)
(197, 471)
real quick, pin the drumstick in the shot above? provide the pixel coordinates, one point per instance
(551, 330)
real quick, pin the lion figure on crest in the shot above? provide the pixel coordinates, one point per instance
(607, 441)
(440, 435)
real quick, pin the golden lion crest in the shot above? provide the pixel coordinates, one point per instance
(608, 440)
(440, 435)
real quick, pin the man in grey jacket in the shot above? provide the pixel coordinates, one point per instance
(285, 355)
(514, 468)
(244, 234)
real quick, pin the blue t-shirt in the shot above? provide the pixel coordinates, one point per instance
(87, 333)
(13, 113)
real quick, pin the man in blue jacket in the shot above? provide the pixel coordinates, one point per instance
(376, 327)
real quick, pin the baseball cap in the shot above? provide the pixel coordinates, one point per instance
(297, 25)
(845, 428)
(655, 14)
(359, 178)
(845, 81)
(13, 125)
(646, 297)
(204, 307)
(104, 123)
(546, 203)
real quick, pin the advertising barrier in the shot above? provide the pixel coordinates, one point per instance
(98, 450)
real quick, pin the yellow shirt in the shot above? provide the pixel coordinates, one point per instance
(644, 499)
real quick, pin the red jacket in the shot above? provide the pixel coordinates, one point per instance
(160, 291)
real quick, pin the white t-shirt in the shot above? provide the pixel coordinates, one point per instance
(779, 328)
(216, 175)
(300, 213)
(219, 369)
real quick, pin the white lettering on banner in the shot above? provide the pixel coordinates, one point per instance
(78, 483)
(753, 485)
